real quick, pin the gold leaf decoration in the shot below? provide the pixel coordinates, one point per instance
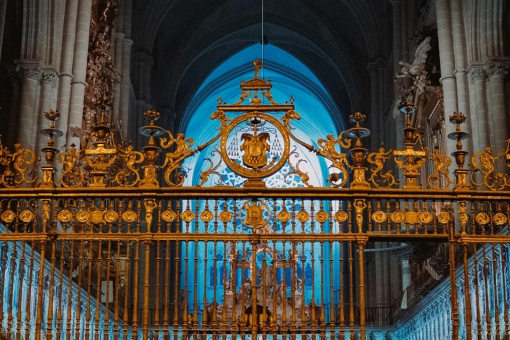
(64, 216)
(129, 216)
(341, 216)
(397, 216)
(482, 218)
(443, 217)
(379, 217)
(26, 216)
(187, 216)
(83, 216)
(111, 216)
(8, 216)
(225, 216)
(425, 217)
(206, 216)
(303, 216)
(169, 215)
(500, 219)
(284, 216)
(321, 216)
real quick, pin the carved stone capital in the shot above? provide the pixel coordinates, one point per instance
(33, 72)
(477, 73)
(49, 77)
(496, 68)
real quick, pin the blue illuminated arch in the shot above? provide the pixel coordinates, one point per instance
(290, 78)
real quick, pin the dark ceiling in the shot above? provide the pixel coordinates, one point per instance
(188, 39)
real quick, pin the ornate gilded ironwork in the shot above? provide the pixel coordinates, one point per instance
(132, 259)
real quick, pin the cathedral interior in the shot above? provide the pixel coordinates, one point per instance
(271, 169)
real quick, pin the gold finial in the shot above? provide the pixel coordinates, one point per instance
(258, 65)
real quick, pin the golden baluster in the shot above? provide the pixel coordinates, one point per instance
(126, 292)
(51, 289)
(157, 285)
(21, 304)
(146, 287)
(361, 268)
(107, 286)
(136, 278)
(99, 266)
(477, 296)
(39, 317)
(495, 290)
(166, 299)
(351, 292)
(467, 299)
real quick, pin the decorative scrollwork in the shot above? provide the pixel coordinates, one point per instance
(440, 178)
(128, 175)
(211, 171)
(296, 171)
(484, 163)
(377, 178)
(339, 159)
(72, 175)
(173, 159)
(15, 165)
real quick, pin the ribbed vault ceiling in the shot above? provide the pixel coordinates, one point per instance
(188, 39)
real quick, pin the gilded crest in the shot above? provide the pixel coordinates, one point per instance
(255, 149)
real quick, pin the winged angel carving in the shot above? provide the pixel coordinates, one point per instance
(416, 71)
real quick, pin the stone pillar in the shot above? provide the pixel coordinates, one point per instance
(48, 84)
(397, 35)
(79, 84)
(374, 107)
(481, 128)
(446, 55)
(3, 10)
(496, 74)
(459, 41)
(66, 68)
(12, 131)
(31, 74)
(404, 30)
(125, 85)
(381, 114)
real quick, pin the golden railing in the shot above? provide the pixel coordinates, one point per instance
(114, 243)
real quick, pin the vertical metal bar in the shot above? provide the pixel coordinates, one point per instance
(362, 323)
(453, 285)
(224, 309)
(51, 288)
(135, 288)
(495, 290)
(486, 287)
(207, 317)
(79, 268)
(21, 303)
(176, 289)
(3, 266)
(60, 291)
(157, 287)
(166, 301)
(107, 293)
(341, 298)
(504, 255)
(30, 287)
(99, 263)
(195, 287)
(10, 298)
(477, 295)
(116, 297)
(146, 287)
(40, 294)
(314, 277)
(466, 290)
(332, 317)
(351, 292)
(127, 292)
(253, 275)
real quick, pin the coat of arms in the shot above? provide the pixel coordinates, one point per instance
(255, 149)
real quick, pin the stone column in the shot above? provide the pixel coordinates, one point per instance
(66, 68)
(381, 114)
(481, 128)
(404, 30)
(79, 84)
(31, 74)
(397, 35)
(3, 10)
(125, 85)
(459, 41)
(12, 131)
(446, 55)
(374, 106)
(48, 83)
(496, 73)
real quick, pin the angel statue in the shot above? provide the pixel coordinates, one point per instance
(420, 58)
